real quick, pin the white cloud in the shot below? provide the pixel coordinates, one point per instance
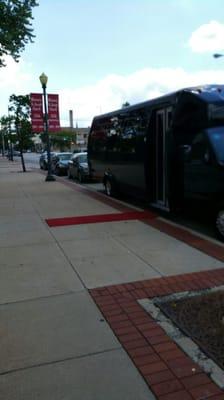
(105, 95)
(15, 78)
(111, 92)
(208, 38)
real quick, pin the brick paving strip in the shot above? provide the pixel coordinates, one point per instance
(168, 371)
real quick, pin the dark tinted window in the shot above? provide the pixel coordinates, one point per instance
(65, 156)
(82, 158)
(120, 135)
(216, 114)
(216, 136)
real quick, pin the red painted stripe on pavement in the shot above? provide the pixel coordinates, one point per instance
(92, 219)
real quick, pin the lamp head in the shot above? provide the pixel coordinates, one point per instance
(43, 80)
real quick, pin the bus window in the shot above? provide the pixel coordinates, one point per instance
(216, 114)
(216, 136)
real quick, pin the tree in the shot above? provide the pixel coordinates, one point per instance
(6, 137)
(15, 27)
(20, 109)
(126, 104)
(63, 139)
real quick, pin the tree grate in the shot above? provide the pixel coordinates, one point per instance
(201, 317)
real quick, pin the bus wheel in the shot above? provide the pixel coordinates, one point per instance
(219, 224)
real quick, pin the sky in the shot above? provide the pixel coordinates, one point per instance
(100, 54)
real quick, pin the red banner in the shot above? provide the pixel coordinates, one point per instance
(37, 112)
(53, 113)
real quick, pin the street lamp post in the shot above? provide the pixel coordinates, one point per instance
(43, 81)
(10, 141)
(3, 141)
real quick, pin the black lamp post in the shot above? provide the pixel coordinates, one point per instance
(10, 150)
(43, 81)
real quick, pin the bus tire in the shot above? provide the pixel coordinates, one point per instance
(219, 223)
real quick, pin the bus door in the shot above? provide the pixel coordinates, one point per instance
(163, 120)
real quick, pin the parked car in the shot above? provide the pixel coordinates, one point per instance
(43, 159)
(75, 151)
(13, 153)
(59, 163)
(78, 167)
(16, 153)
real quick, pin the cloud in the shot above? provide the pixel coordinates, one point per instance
(105, 95)
(15, 78)
(207, 38)
(112, 91)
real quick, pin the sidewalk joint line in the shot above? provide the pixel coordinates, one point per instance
(33, 299)
(44, 364)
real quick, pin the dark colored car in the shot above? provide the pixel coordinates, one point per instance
(78, 167)
(75, 151)
(60, 162)
(13, 153)
(43, 159)
(16, 153)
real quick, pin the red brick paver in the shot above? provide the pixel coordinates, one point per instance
(167, 370)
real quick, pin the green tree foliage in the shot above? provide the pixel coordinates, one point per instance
(5, 122)
(63, 140)
(6, 137)
(19, 108)
(15, 27)
(126, 104)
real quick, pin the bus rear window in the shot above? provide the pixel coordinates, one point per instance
(216, 114)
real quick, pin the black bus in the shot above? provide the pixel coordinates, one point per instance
(164, 150)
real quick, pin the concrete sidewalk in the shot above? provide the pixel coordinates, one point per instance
(57, 340)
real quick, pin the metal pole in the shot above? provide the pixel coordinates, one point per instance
(10, 149)
(49, 176)
(3, 144)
